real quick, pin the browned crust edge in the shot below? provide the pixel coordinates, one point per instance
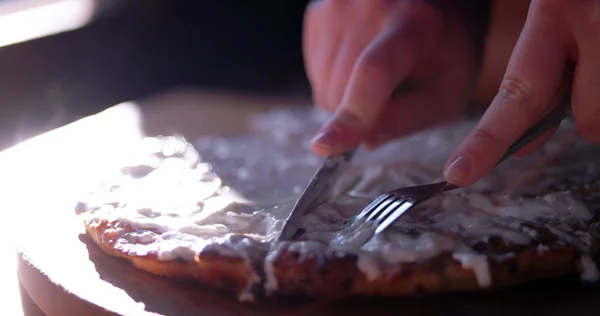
(336, 277)
(226, 273)
(332, 276)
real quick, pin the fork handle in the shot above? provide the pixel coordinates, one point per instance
(545, 124)
(549, 121)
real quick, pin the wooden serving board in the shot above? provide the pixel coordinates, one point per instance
(65, 273)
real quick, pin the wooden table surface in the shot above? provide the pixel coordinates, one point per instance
(66, 274)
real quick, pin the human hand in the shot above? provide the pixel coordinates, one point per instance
(557, 35)
(358, 53)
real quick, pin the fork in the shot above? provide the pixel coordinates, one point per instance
(390, 206)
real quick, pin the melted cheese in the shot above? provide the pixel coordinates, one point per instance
(447, 223)
(178, 206)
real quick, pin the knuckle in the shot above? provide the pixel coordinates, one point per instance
(515, 91)
(519, 95)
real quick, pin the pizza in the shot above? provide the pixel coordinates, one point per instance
(210, 212)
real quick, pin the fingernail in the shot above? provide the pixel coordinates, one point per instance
(458, 169)
(328, 136)
(340, 128)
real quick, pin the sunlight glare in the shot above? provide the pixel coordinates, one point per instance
(45, 20)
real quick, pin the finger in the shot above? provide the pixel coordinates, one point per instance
(309, 39)
(319, 73)
(407, 114)
(383, 64)
(586, 95)
(562, 95)
(351, 48)
(419, 107)
(319, 48)
(357, 36)
(532, 78)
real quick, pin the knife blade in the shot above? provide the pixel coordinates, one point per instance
(317, 192)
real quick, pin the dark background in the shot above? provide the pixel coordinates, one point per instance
(135, 48)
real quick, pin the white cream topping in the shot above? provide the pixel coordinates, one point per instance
(181, 207)
(246, 294)
(479, 264)
(369, 265)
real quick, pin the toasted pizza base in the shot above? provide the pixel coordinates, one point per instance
(332, 276)
(336, 277)
(230, 274)
(173, 172)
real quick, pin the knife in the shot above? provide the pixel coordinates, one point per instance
(317, 192)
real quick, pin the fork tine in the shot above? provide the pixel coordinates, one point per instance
(389, 210)
(393, 217)
(371, 206)
(381, 208)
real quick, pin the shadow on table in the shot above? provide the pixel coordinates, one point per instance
(160, 295)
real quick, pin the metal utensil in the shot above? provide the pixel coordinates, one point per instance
(390, 206)
(316, 193)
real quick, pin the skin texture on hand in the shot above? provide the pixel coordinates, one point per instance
(386, 68)
(558, 35)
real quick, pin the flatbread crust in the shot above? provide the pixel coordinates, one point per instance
(341, 277)
(226, 273)
(278, 271)
(337, 275)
